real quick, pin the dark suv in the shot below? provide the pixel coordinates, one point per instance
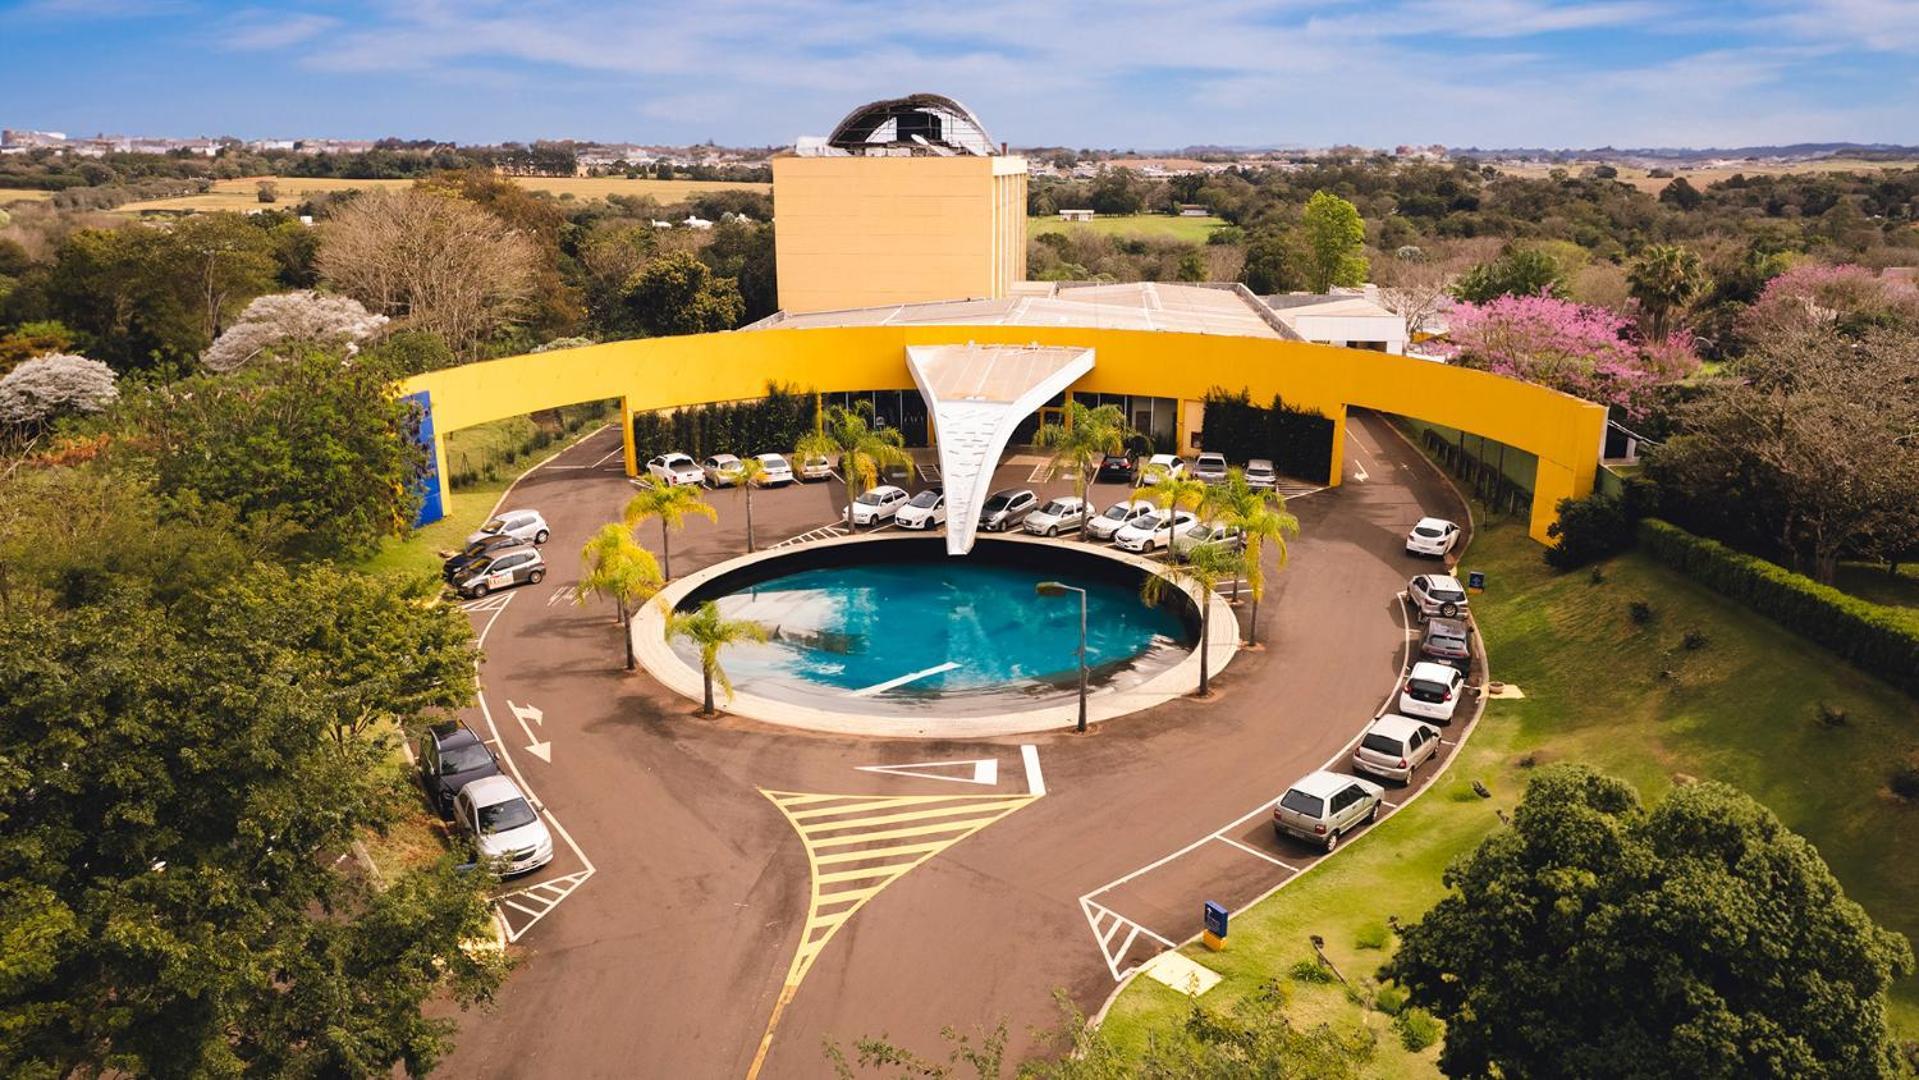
(1121, 467)
(451, 756)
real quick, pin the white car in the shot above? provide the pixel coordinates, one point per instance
(1436, 595)
(523, 525)
(1260, 473)
(878, 504)
(675, 469)
(506, 831)
(1169, 466)
(1064, 514)
(1207, 534)
(927, 510)
(1432, 691)
(1432, 536)
(1210, 468)
(1118, 516)
(721, 470)
(1005, 509)
(1323, 806)
(1395, 747)
(1155, 532)
(778, 472)
(816, 468)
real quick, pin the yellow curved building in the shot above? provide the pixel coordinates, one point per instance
(1563, 432)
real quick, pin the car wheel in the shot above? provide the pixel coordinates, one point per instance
(1332, 841)
(1373, 814)
(1053, 531)
(1449, 609)
(477, 591)
(540, 537)
(536, 577)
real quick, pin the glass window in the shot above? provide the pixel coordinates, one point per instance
(501, 817)
(1428, 690)
(1384, 744)
(462, 758)
(1303, 804)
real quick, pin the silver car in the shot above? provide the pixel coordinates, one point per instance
(1210, 467)
(721, 470)
(1006, 509)
(1324, 806)
(526, 526)
(1260, 473)
(1064, 514)
(506, 830)
(1395, 747)
(1436, 595)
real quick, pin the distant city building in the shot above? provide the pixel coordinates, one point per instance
(1076, 215)
(1353, 318)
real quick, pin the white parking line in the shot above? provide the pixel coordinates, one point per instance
(1255, 852)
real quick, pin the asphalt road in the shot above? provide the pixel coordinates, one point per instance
(664, 936)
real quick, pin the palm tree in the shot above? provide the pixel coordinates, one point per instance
(1262, 518)
(670, 503)
(1664, 279)
(1081, 440)
(618, 569)
(1205, 567)
(1181, 493)
(752, 473)
(863, 449)
(711, 631)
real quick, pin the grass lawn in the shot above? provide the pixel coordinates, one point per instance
(1741, 709)
(243, 194)
(1153, 226)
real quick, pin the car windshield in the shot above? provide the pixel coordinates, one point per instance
(1213, 462)
(926, 500)
(1117, 513)
(1201, 532)
(1427, 690)
(1057, 507)
(997, 502)
(1426, 530)
(1256, 469)
(1299, 802)
(502, 817)
(1384, 744)
(493, 526)
(462, 758)
(479, 565)
(1151, 521)
(773, 461)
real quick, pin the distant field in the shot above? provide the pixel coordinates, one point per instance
(1699, 178)
(1191, 229)
(243, 194)
(14, 194)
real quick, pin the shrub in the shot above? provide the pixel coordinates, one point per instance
(1694, 640)
(1598, 575)
(1390, 999)
(1417, 1028)
(1904, 781)
(1373, 935)
(1640, 611)
(1588, 530)
(1310, 971)
(1871, 637)
(1832, 716)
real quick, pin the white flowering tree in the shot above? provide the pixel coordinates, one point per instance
(45, 387)
(304, 316)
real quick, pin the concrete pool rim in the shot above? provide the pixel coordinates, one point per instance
(657, 657)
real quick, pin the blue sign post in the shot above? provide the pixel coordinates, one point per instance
(1215, 935)
(1476, 581)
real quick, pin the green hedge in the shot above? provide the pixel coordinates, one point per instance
(1298, 441)
(1873, 638)
(773, 424)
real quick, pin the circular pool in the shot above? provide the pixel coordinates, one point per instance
(901, 628)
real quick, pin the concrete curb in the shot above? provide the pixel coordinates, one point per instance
(657, 658)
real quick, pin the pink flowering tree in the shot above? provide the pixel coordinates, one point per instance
(1847, 298)
(1585, 351)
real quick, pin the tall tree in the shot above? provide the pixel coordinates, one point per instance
(1202, 570)
(616, 568)
(1078, 442)
(752, 475)
(670, 503)
(1274, 262)
(712, 632)
(1262, 518)
(1599, 938)
(676, 293)
(1335, 241)
(1522, 272)
(292, 319)
(1664, 279)
(863, 450)
(432, 262)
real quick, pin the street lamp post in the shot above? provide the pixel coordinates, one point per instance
(1058, 588)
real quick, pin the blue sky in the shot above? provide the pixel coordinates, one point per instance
(1112, 73)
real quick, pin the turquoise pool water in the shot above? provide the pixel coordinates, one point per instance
(947, 630)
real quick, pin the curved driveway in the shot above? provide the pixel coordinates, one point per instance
(665, 949)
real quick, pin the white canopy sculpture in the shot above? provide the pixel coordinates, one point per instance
(978, 394)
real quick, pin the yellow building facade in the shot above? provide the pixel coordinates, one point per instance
(867, 231)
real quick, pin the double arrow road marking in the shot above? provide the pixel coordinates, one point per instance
(538, 747)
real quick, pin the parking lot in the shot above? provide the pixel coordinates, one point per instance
(684, 927)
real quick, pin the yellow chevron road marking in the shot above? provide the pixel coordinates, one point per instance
(840, 831)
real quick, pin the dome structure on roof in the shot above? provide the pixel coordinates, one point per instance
(927, 124)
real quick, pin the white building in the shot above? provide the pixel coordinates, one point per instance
(1352, 318)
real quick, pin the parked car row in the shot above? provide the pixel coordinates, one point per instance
(1325, 805)
(502, 553)
(463, 781)
(1209, 467)
(725, 470)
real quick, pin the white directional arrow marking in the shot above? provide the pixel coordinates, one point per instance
(985, 770)
(1359, 472)
(538, 748)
